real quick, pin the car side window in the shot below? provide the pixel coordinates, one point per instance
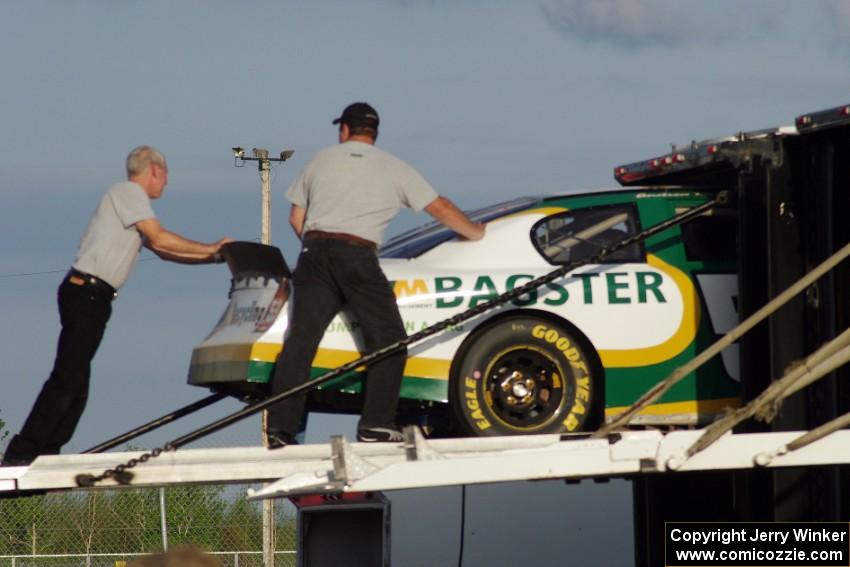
(575, 235)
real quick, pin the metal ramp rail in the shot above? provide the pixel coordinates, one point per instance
(340, 466)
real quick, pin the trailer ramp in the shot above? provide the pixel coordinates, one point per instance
(340, 466)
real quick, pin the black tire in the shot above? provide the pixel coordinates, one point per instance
(525, 375)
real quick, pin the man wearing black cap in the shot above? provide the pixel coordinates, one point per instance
(341, 204)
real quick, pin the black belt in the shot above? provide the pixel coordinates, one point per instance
(76, 277)
(343, 236)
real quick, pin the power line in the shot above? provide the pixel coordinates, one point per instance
(21, 275)
(62, 271)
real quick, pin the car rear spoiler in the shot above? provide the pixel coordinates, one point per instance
(251, 258)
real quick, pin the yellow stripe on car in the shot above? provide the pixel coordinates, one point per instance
(681, 339)
(543, 211)
(694, 407)
(421, 367)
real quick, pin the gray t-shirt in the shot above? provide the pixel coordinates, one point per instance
(357, 188)
(111, 244)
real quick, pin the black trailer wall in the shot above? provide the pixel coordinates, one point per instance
(820, 176)
(794, 215)
(793, 200)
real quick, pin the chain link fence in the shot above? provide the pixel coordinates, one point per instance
(225, 558)
(107, 528)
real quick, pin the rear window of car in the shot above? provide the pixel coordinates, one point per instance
(416, 242)
(577, 234)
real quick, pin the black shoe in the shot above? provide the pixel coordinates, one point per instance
(381, 434)
(21, 452)
(16, 462)
(279, 439)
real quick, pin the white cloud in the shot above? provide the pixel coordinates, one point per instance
(631, 22)
(641, 23)
(839, 12)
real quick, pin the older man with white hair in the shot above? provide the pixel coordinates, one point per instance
(122, 223)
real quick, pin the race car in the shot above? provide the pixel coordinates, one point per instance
(559, 358)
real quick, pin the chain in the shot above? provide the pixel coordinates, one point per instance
(122, 475)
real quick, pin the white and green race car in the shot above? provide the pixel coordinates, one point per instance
(557, 359)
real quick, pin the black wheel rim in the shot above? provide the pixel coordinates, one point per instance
(525, 388)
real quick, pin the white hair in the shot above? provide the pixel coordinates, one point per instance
(141, 157)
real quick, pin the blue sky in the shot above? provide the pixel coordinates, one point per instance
(489, 100)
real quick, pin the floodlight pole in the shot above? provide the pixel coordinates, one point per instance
(261, 156)
(266, 191)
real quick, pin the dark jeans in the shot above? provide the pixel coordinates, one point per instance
(84, 311)
(333, 274)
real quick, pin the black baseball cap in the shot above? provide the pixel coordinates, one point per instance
(359, 114)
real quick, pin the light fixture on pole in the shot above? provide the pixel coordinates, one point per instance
(261, 156)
